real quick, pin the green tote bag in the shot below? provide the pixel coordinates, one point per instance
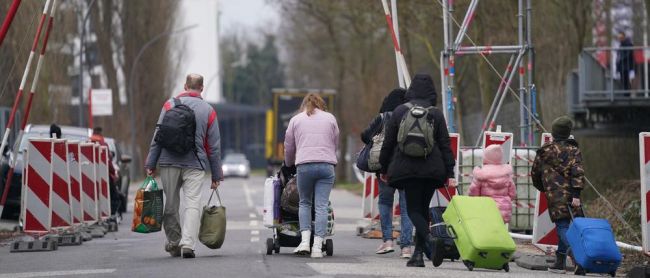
(213, 224)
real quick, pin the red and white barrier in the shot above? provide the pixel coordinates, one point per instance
(544, 233)
(75, 182)
(101, 167)
(60, 202)
(36, 211)
(88, 186)
(442, 197)
(370, 208)
(504, 139)
(644, 162)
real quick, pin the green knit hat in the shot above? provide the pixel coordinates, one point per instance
(562, 127)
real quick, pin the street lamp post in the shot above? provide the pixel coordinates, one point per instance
(132, 76)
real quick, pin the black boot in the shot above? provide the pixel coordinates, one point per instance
(437, 251)
(416, 260)
(560, 264)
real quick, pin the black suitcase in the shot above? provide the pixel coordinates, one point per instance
(439, 230)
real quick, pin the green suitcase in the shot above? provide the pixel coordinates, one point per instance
(480, 234)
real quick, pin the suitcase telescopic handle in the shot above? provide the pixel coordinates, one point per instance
(451, 232)
(573, 216)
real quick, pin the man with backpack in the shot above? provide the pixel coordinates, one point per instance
(186, 143)
(419, 158)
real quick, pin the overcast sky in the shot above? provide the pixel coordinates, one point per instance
(200, 43)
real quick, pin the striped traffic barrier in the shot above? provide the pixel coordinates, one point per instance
(61, 201)
(36, 211)
(104, 204)
(504, 139)
(644, 164)
(88, 187)
(442, 196)
(75, 182)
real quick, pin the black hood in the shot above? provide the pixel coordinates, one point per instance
(422, 89)
(396, 98)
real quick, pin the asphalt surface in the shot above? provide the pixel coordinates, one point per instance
(128, 254)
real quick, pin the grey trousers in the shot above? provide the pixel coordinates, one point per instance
(173, 179)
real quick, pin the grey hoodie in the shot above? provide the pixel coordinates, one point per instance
(208, 140)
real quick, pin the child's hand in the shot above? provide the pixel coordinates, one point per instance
(575, 202)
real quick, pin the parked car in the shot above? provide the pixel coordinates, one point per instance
(121, 165)
(236, 165)
(12, 207)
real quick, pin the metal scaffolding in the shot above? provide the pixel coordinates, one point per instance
(521, 58)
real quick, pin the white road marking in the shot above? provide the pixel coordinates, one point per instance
(255, 232)
(58, 273)
(253, 223)
(248, 192)
(255, 239)
(252, 215)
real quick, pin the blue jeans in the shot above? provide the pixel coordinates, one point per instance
(562, 226)
(386, 198)
(315, 182)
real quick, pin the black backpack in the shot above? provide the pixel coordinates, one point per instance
(177, 131)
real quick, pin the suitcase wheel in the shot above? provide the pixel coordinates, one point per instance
(506, 267)
(580, 271)
(269, 246)
(469, 265)
(329, 247)
(276, 246)
(613, 274)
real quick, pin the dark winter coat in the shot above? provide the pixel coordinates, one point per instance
(437, 166)
(557, 171)
(625, 57)
(394, 99)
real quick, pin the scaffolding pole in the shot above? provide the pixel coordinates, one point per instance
(532, 90)
(523, 49)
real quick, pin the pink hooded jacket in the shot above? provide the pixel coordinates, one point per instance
(495, 180)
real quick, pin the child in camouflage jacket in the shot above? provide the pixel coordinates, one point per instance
(558, 173)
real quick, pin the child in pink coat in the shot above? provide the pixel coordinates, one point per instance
(494, 180)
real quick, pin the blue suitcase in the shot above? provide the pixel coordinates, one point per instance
(593, 245)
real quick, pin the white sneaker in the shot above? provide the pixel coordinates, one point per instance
(303, 248)
(385, 248)
(407, 252)
(317, 248)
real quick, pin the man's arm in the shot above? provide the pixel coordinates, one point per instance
(213, 148)
(536, 172)
(577, 173)
(154, 148)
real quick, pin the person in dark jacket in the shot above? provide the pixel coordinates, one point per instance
(625, 60)
(419, 177)
(387, 193)
(558, 173)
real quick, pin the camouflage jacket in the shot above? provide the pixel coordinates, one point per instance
(557, 171)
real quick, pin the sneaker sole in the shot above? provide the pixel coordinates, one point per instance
(302, 253)
(406, 257)
(557, 271)
(383, 252)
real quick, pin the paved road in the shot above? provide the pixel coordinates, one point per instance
(127, 254)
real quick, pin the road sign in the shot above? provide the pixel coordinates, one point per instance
(102, 102)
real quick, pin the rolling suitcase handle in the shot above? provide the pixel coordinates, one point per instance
(573, 216)
(451, 232)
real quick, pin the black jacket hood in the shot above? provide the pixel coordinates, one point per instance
(422, 89)
(396, 98)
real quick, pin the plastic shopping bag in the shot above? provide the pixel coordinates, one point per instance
(213, 224)
(148, 208)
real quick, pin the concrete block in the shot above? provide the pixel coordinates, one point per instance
(34, 245)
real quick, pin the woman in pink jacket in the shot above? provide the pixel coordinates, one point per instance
(494, 180)
(310, 143)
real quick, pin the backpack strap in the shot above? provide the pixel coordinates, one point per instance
(409, 105)
(176, 101)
